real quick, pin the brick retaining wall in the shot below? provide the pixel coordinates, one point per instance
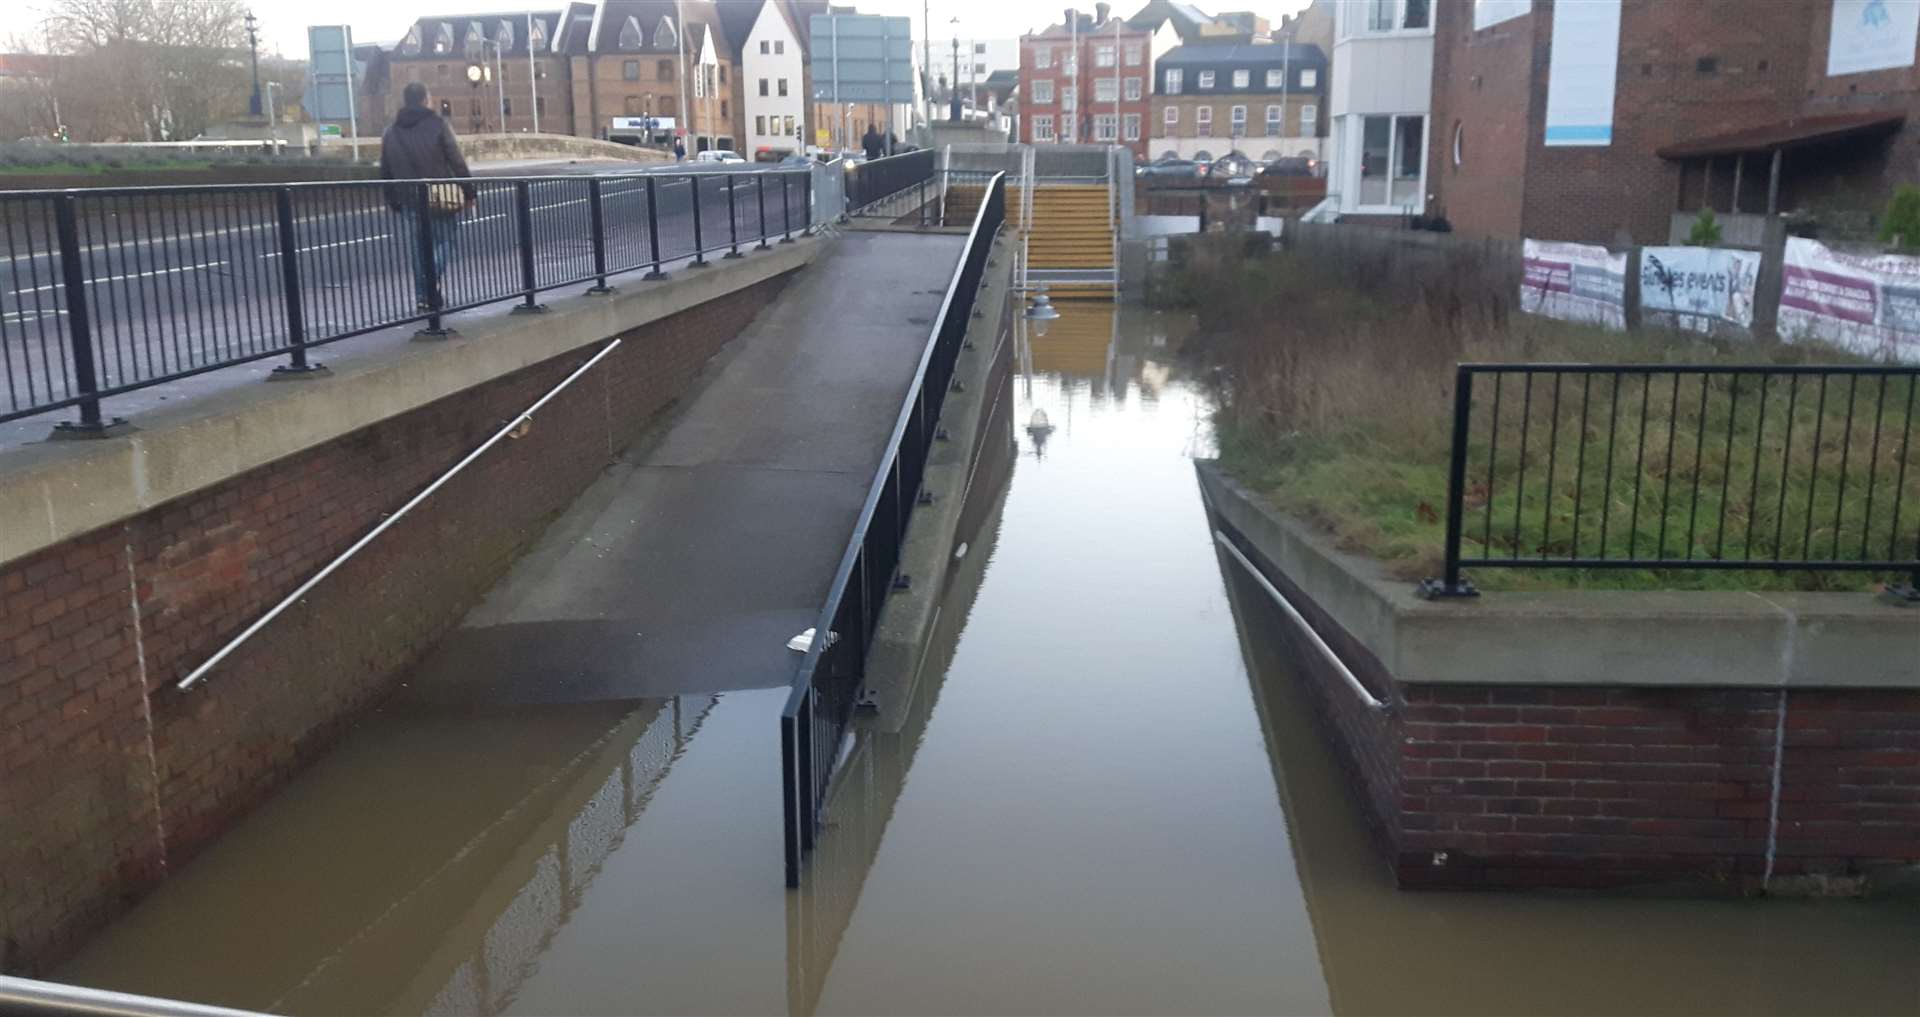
(112, 775)
(1512, 785)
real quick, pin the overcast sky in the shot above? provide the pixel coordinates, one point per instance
(283, 23)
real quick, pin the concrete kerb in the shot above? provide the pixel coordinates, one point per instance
(57, 490)
(1599, 638)
(900, 638)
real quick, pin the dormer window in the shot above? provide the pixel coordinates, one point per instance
(476, 39)
(503, 34)
(630, 37)
(443, 38)
(664, 36)
(411, 44)
(537, 38)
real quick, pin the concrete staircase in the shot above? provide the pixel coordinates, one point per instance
(1070, 246)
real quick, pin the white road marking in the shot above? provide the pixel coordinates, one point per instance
(136, 275)
(337, 243)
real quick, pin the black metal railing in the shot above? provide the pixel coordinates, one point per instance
(1579, 466)
(871, 183)
(826, 683)
(109, 290)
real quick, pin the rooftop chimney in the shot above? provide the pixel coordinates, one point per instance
(1100, 13)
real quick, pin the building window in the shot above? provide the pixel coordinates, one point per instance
(630, 70)
(765, 47)
(1276, 122)
(1043, 93)
(1133, 89)
(1042, 57)
(506, 106)
(1310, 78)
(1174, 74)
(540, 105)
(1103, 56)
(663, 71)
(1105, 90)
(1106, 127)
(723, 74)
(1132, 123)
(1392, 150)
(759, 125)
(782, 89)
(440, 71)
(1206, 80)
(1274, 77)
(1309, 113)
(1239, 114)
(1067, 100)
(1242, 78)
(630, 34)
(1043, 128)
(979, 48)
(763, 86)
(1171, 117)
(663, 35)
(790, 130)
(979, 68)
(1136, 54)
(1203, 121)
(443, 38)
(723, 109)
(779, 47)
(1389, 16)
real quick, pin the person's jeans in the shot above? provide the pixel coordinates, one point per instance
(445, 231)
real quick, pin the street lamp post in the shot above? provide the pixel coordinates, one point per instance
(475, 72)
(253, 46)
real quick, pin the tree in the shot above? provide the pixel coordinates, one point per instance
(1901, 225)
(1706, 230)
(148, 69)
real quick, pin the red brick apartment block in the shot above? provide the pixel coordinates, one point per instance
(1693, 75)
(112, 774)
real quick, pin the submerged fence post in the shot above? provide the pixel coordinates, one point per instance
(1450, 583)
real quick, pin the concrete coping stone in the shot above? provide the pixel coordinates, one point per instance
(1572, 637)
(53, 491)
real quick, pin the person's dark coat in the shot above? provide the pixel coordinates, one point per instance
(873, 143)
(419, 145)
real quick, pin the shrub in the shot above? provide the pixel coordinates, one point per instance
(1706, 230)
(1901, 225)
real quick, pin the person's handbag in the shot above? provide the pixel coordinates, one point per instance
(446, 199)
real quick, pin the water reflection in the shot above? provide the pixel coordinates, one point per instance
(1101, 794)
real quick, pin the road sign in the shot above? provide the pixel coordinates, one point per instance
(863, 58)
(330, 79)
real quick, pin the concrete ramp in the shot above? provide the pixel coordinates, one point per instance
(690, 563)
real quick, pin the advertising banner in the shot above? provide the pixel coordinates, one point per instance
(1872, 35)
(1580, 72)
(1867, 304)
(1574, 282)
(1702, 289)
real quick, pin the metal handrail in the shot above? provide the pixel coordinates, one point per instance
(326, 570)
(1326, 652)
(28, 996)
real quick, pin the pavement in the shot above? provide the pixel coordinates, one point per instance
(688, 565)
(176, 289)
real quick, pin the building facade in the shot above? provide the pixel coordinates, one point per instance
(773, 61)
(1380, 100)
(1087, 81)
(1696, 101)
(637, 59)
(446, 53)
(1262, 100)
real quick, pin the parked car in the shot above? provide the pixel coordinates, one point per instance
(720, 155)
(1231, 170)
(1297, 166)
(1170, 168)
(796, 160)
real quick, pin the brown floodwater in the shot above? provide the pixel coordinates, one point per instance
(1100, 795)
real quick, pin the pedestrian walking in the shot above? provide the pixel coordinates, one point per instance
(679, 150)
(419, 145)
(873, 142)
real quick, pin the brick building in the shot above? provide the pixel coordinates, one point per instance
(438, 51)
(1709, 97)
(1086, 80)
(639, 59)
(1263, 100)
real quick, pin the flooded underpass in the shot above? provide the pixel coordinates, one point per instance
(1103, 794)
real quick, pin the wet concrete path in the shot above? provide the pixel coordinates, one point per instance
(688, 566)
(1105, 796)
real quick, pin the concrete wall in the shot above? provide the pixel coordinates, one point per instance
(111, 775)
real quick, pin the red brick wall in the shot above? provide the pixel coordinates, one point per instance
(93, 633)
(1481, 85)
(1597, 195)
